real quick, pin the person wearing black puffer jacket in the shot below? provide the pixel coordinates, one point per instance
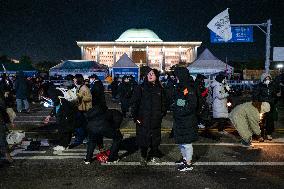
(185, 105)
(148, 107)
(125, 93)
(267, 91)
(103, 124)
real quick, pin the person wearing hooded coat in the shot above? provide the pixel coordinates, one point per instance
(65, 113)
(22, 93)
(185, 105)
(103, 123)
(203, 114)
(219, 95)
(246, 118)
(266, 91)
(148, 105)
(125, 93)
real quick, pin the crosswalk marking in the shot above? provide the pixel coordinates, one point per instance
(154, 164)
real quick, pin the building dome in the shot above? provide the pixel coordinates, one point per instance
(138, 35)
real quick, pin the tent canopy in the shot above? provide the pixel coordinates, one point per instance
(84, 67)
(125, 62)
(208, 64)
(77, 64)
(125, 66)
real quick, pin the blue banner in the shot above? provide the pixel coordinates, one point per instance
(120, 72)
(239, 34)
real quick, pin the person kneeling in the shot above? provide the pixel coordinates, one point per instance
(103, 124)
(246, 118)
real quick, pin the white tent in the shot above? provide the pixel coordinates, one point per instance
(208, 64)
(125, 66)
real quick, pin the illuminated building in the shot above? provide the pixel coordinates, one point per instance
(143, 46)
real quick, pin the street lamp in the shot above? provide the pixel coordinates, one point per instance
(279, 66)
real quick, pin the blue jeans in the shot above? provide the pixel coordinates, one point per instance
(186, 151)
(20, 104)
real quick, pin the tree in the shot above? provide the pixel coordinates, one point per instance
(45, 65)
(25, 63)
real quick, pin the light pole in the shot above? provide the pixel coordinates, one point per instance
(279, 66)
(267, 33)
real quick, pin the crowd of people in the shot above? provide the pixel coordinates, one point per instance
(80, 109)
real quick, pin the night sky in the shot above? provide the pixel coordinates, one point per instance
(49, 29)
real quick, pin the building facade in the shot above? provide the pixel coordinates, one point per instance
(143, 46)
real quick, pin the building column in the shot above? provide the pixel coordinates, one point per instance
(114, 55)
(130, 52)
(179, 53)
(147, 56)
(164, 59)
(194, 53)
(98, 54)
(82, 53)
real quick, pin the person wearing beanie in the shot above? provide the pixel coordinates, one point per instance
(148, 105)
(219, 95)
(246, 118)
(266, 91)
(185, 129)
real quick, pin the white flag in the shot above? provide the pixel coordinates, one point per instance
(220, 25)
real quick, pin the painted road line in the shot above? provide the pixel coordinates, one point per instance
(200, 164)
(22, 151)
(32, 121)
(48, 157)
(80, 152)
(230, 144)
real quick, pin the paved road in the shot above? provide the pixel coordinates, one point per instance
(216, 165)
(219, 162)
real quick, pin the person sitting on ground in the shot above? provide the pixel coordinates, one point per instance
(246, 118)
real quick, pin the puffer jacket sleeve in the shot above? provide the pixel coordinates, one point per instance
(135, 101)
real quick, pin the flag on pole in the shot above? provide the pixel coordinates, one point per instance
(220, 25)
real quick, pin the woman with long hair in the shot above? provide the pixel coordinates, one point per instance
(148, 109)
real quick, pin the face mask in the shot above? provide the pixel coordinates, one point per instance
(267, 82)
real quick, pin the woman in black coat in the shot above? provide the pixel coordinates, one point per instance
(185, 103)
(148, 109)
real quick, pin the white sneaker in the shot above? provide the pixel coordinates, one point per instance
(269, 137)
(200, 126)
(59, 148)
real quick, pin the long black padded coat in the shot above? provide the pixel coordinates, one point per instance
(185, 108)
(148, 107)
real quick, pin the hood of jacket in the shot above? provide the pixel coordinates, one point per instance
(264, 75)
(183, 75)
